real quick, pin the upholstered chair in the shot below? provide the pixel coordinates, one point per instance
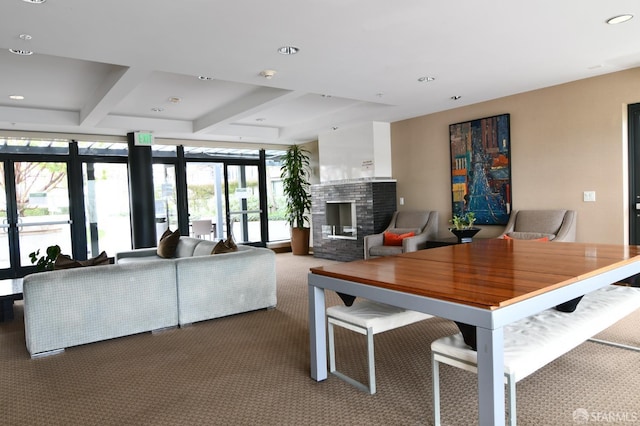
(423, 223)
(557, 225)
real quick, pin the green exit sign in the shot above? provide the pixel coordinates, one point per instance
(143, 138)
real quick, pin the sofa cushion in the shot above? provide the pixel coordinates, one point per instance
(385, 250)
(204, 248)
(187, 246)
(168, 243)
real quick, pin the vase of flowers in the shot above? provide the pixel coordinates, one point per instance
(462, 227)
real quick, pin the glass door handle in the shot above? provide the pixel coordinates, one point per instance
(52, 222)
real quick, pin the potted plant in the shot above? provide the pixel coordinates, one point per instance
(47, 261)
(295, 172)
(463, 227)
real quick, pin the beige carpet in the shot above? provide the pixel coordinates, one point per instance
(253, 369)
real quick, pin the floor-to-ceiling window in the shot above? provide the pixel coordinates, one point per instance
(245, 214)
(35, 202)
(105, 191)
(238, 190)
(206, 195)
(75, 194)
(279, 229)
(106, 208)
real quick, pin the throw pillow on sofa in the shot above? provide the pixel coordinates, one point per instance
(225, 246)
(66, 262)
(168, 244)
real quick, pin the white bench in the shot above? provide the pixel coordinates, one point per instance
(533, 342)
(368, 318)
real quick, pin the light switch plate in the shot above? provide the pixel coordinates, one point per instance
(589, 196)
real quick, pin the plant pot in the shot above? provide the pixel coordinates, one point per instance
(464, 235)
(300, 241)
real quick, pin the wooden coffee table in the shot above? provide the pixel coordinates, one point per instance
(10, 291)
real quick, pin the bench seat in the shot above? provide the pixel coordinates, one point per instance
(535, 341)
(368, 318)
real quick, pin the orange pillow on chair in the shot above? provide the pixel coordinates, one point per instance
(543, 239)
(391, 239)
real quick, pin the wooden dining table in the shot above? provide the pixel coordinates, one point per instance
(487, 284)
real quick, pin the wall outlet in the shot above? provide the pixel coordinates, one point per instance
(589, 196)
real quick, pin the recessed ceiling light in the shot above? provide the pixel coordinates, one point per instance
(325, 95)
(175, 100)
(335, 128)
(619, 19)
(34, 1)
(16, 97)
(456, 97)
(25, 37)
(205, 78)
(157, 109)
(21, 52)
(427, 79)
(288, 50)
(260, 119)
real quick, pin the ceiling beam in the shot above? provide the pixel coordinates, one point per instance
(17, 115)
(258, 100)
(118, 84)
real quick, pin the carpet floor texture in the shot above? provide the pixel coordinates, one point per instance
(253, 369)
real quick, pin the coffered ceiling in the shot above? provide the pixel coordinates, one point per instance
(115, 66)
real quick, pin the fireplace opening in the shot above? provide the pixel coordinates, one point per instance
(340, 220)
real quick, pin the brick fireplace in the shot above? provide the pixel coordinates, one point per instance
(344, 212)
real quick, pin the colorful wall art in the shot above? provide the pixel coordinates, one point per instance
(481, 169)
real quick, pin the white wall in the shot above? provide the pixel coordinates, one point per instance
(362, 151)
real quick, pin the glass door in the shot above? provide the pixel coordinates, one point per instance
(106, 192)
(206, 197)
(34, 211)
(245, 215)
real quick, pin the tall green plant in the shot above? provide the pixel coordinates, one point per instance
(295, 172)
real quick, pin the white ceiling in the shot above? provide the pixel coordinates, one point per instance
(101, 67)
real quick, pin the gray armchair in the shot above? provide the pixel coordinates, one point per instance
(557, 225)
(423, 223)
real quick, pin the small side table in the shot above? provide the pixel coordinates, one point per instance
(441, 242)
(10, 290)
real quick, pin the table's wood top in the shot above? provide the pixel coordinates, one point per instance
(489, 273)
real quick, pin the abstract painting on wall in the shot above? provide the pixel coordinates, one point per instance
(481, 169)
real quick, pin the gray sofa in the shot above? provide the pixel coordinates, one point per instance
(144, 293)
(212, 286)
